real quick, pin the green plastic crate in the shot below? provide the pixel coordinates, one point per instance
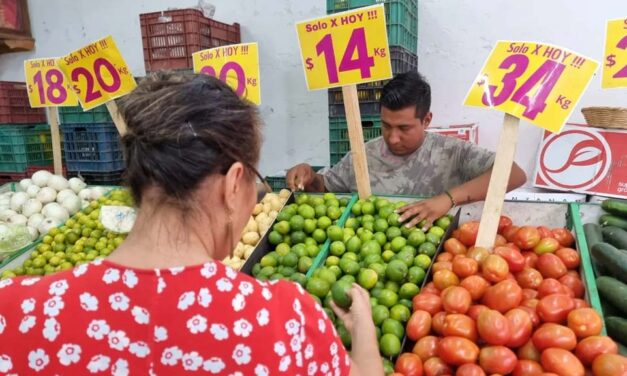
(76, 115)
(339, 143)
(24, 145)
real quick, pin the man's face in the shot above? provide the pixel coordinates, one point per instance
(402, 131)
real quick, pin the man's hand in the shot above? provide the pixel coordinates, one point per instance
(430, 210)
(300, 176)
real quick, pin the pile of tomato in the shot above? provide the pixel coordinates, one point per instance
(517, 309)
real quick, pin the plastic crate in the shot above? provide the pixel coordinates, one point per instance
(92, 147)
(8, 177)
(100, 178)
(76, 115)
(15, 107)
(22, 145)
(30, 170)
(171, 37)
(339, 143)
(277, 182)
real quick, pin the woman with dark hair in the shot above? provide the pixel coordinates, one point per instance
(161, 303)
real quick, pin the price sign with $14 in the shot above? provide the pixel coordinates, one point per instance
(615, 64)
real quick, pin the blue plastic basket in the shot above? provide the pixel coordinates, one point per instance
(92, 147)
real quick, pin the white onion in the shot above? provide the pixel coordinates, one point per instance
(6, 214)
(85, 194)
(35, 220)
(77, 185)
(97, 192)
(58, 183)
(31, 206)
(18, 200)
(32, 191)
(54, 210)
(18, 219)
(25, 183)
(48, 224)
(34, 233)
(46, 195)
(84, 204)
(41, 177)
(62, 195)
(72, 204)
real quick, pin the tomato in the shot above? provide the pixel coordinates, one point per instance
(475, 310)
(546, 245)
(458, 325)
(408, 364)
(470, 370)
(609, 365)
(430, 289)
(444, 256)
(530, 259)
(553, 335)
(465, 266)
(580, 303)
(444, 278)
(529, 294)
(503, 296)
(529, 352)
(529, 278)
(521, 327)
(456, 299)
(510, 232)
(493, 327)
(569, 257)
(500, 240)
(457, 350)
(550, 286)
(574, 283)
(436, 367)
(497, 359)
(527, 237)
(515, 260)
(585, 322)
(468, 233)
(476, 286)
(562, 362)
(545, 232)
(437, 322)
(527, 368)
(533, 315)
(555, 308)
(419, 325)
(426, 347)
(494, 268)
(589, 348)
(550, 266)
(504, 222)
(563, 236)
(442, 265)
(455, 247)
(426, 301)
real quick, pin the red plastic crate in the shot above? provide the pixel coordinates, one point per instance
(7, 177)
(171, 37)
(14, 105)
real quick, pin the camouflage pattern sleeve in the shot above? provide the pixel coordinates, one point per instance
(474, 160)
(337, 178)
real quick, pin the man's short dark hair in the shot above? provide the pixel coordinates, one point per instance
(405, 90)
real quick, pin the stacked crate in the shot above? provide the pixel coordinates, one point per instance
(402, 25)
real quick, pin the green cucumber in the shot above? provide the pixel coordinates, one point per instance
(612, 259)
(616, 236)
(593, 234)
(609, 309)
(615, 206)
(614, 292)
(617, 329)
(612, 220)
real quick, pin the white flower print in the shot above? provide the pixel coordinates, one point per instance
(99, 363)
(309, 351)
(52, 328)
(204, 297)
(245, 288)
(53, 306)
(29, 281)
(279, 348)
(110, 276)
(5, 363)
(263, 317)
(299, 359)
(299, 288)
(321, 326)
(129, 278)
(177, 270)
(27, 323)
(296, 343)
(347, 360)
(171, 356)
(266, 293)
(241, 354)
(191, 361)
(209, 270)
(318, 307)
(119, 301)
(97, 261)
(242, 328)
(186, 300)
(38, 359)
(214, 365)
(312, 368)
(69, 353)
(120, 368)
(224, 285)
(140, 315)
(139, 349)
(118, 340)
(161, 334)
(236, 374)
(160, 285)
(3, 324)
(335, 362)
(88, 302)
(28, 305)
(261, 370)
(98, 329)
(197, 324)
(292, 327)
(297, 306)
(79, 270)
(239, 302)
(230, 273)
(285, 362)
(324, 368)
(58, 288)
(5, 282)
(333, 348)
(219, 331)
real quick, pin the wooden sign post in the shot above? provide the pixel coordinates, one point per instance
(356, 138)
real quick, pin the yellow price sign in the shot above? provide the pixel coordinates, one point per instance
(47, 87)
(345, 48)
(615, 66)
(537, 82)
(97, 73)
(237, 65)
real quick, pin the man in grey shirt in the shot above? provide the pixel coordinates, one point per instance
(407, 160)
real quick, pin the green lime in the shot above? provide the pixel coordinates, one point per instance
(387, 298)
(368, 208)
(284, 215)
(255, 271)
(334, 212)
(321, 210)
(298, 237)
(274, 237)
(282, 227)
(344, 336)
(332, 201)
(408, 290)
(351, 223)
(427, 248)
(290, 260)
(400, 313)
(380, 238)
(299, 249)
(299, 278)
(406, 256)
(416, 275)
(310, 225)
(443, 222)
(356, 209)
(336, 270)
(437, 231)
(388, 366)
(367, 278)
(312, 250)
(433, 238)
(318, 287)
(382, 202)
(351, 256)
(379, 314)
(354, 244)
(306, 211)
(368, 226)
(396, 270)
(302, 198)
(416, 238)
(282, 249)
(319, 236)
(386, 211)
(393, 232)
(376, 292)
(348, 266)
(315, 201)
(268, 260)
(340, 293)
(393, 326)
(347, 278)
(327, 275)
(367, 218)
(392, 286)
(380, 225)
(398, 243)
(393, 220)
(335, 233)
(365, 235)
(332, 260)
(296, 223)
(407, 303)
(379, 269)
(370, 247)
(388, 255)
(423, 261)
(287, 271)
(337, 248)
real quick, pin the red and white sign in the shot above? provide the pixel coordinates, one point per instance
(467, 132)
(585, 160)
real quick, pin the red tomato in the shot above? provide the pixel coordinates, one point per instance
(521, 327)
(533, 315)
(530, 259)
(455, 233)
(530, 303)
(494, 268)
(425, 301)
(500, 240)
(409, 364)
(527, 237)
(580, 303)
(504, 222)
(562, 362)
(510, 232)
(527, 368)
(497, 359)
(476, 286)
(585, 322)
(437, 322)
(456, 299)
(555, 308)
(609, 365)
(574, 283)
(455, 247)
(493, 327)
(553, 335)
(550, 266)
(475, 310)
(442, 265)
(419, 325)
(503, 296)
(546, 245)
(430, 289)
(569, 257)
(529, 278)
(426, 347)
(457, 351)
(468, 233)
(458, 325)
(465, 266)
(436, 367)
(545, 232)
(444, 278)
(478, 254)
(444, 256)
(470, 370)
(550, 286)
(589, 348)
(563, 236)
(529, 294)
(515, 260)
(529, 352)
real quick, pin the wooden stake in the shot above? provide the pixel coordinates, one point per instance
(498, 182)
(119, 122)
(53, 118)
(356, 137)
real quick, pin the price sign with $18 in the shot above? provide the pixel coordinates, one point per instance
(47, 87)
